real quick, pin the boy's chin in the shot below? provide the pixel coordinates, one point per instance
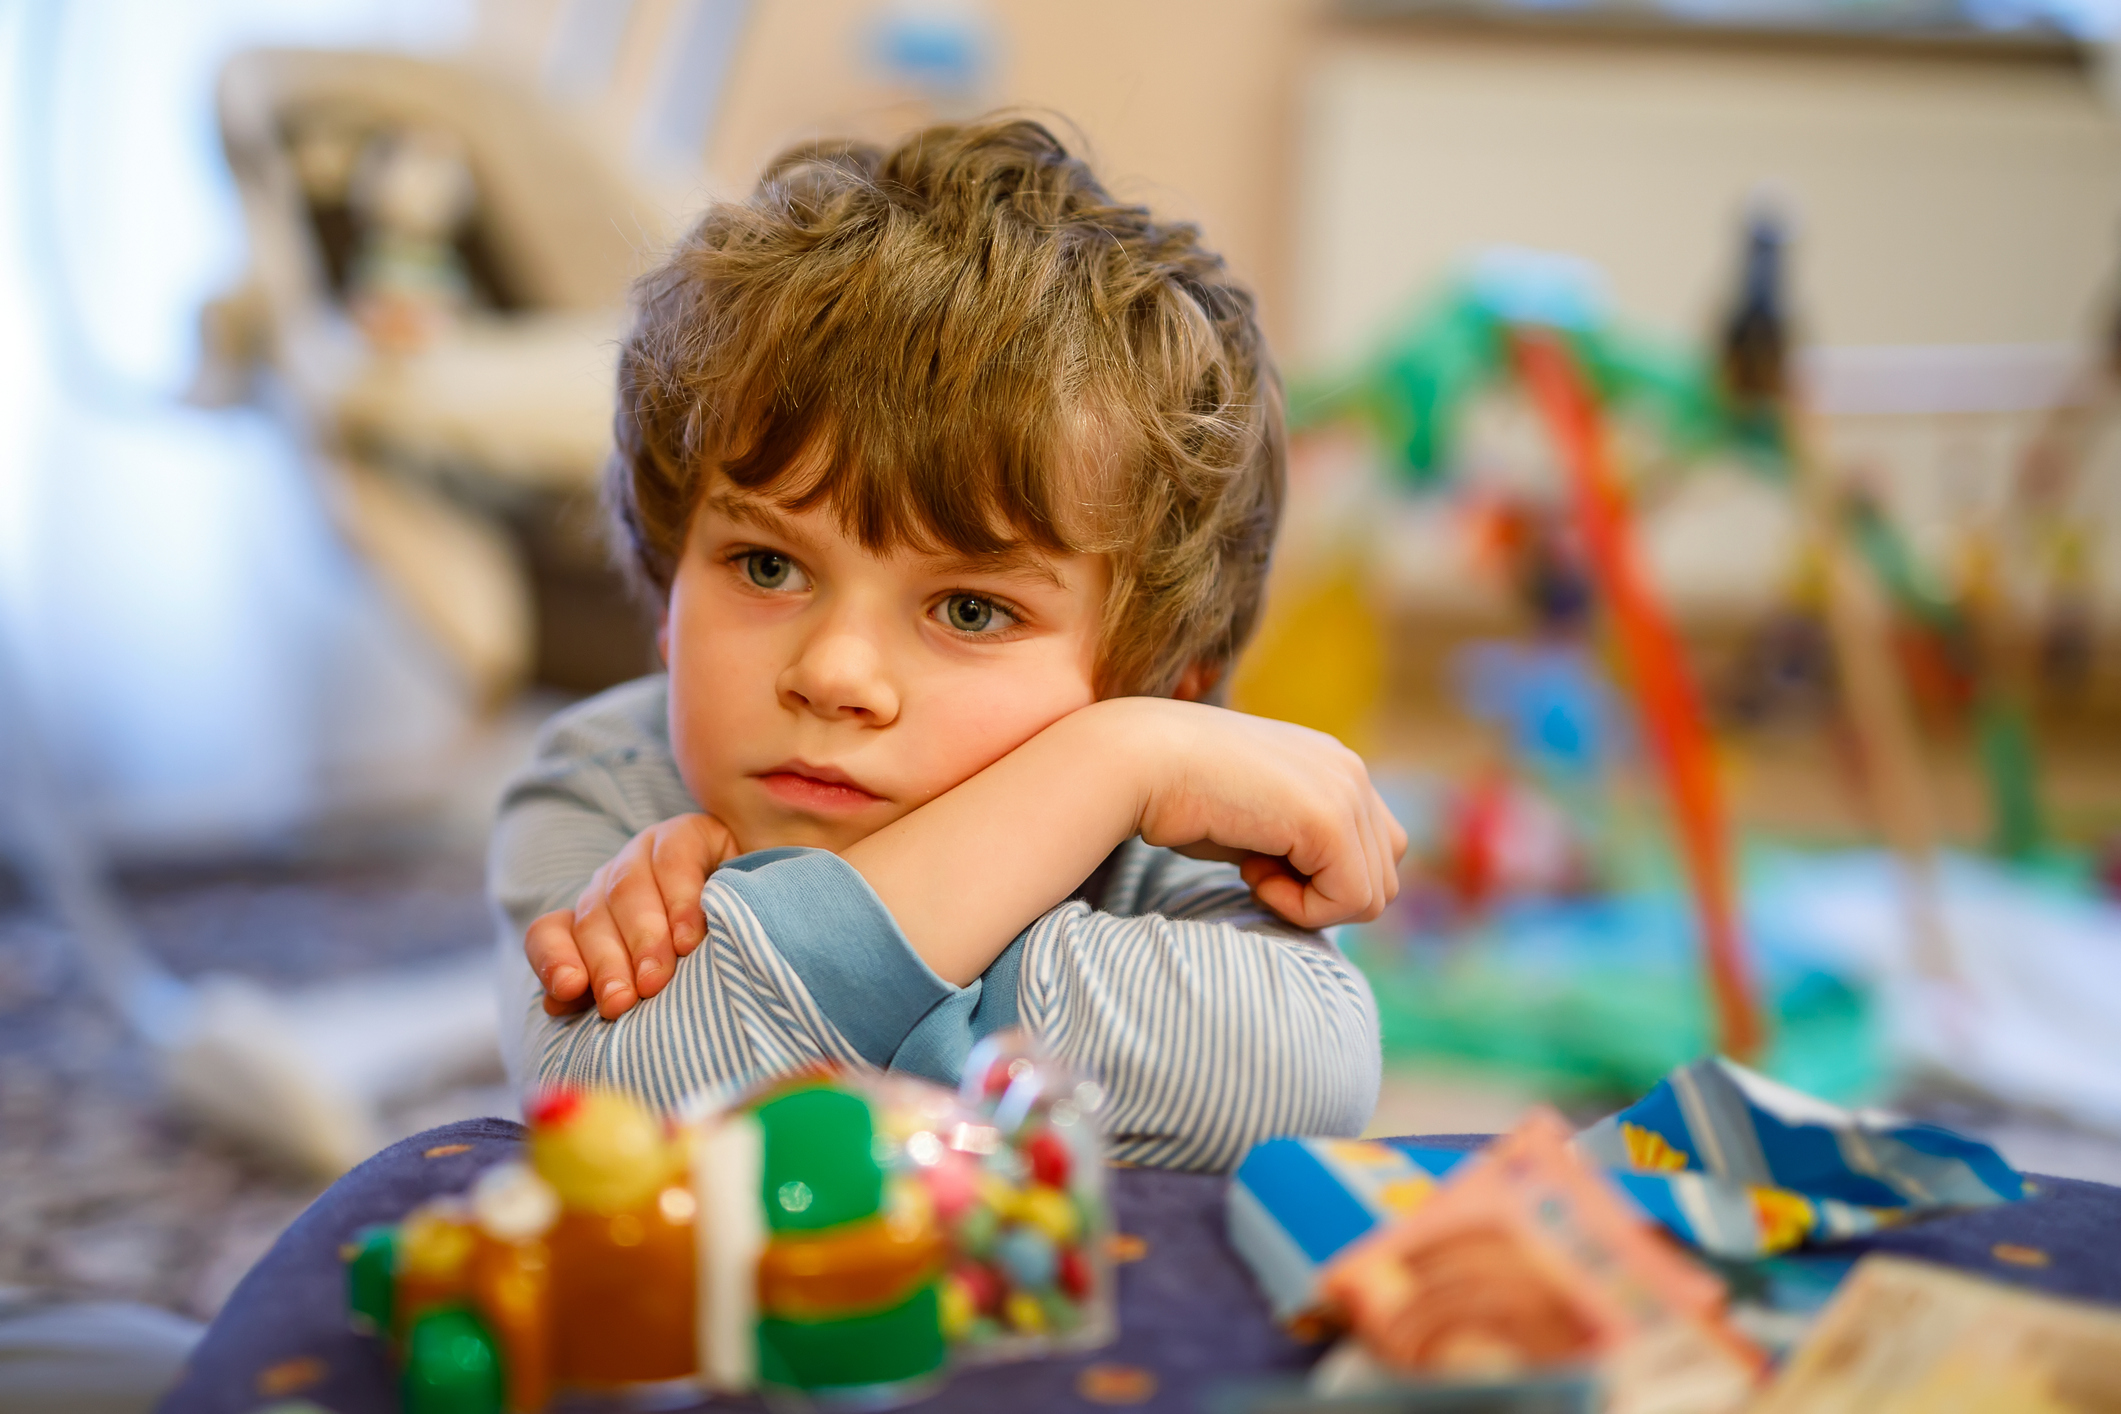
(803, 834)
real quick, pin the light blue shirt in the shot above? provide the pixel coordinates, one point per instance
(1210, 1022)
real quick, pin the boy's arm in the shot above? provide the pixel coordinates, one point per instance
(1209, 1028)
(741, 1005)
(965, 873)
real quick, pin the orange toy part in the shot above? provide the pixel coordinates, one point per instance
(1663, 690)
(623, 1294)
(511, 1283)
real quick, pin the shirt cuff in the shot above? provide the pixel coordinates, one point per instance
(841, 940)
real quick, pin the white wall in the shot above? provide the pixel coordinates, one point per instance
(1939, 201)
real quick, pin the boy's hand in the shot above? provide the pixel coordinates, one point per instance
(1295, 807)
(640, 914)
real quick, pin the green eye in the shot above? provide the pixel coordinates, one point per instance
(768, 570)
(968, 613)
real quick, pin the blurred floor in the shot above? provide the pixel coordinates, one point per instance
(105, 1194)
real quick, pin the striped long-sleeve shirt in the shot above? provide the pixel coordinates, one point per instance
(1210, 1023)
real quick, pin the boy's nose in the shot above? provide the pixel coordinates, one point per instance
(841, 674)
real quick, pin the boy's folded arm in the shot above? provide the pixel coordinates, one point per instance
(1209, 1035)
(801, 963)
(966, 872)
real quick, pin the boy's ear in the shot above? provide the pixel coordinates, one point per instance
(662, 634)
(1197, 681)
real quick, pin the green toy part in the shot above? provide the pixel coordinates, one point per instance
(371, 1276)
(2009, 759)
(1415, 390)
(888, 1347)
(820, 1168)
(452, 1365)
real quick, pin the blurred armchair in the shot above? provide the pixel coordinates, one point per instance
(439, 263)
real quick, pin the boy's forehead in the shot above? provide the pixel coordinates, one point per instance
(821, 521)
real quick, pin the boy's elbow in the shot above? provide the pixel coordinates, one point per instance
(1344, 1065)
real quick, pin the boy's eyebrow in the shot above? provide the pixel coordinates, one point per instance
(1016, 562)
(754, 511)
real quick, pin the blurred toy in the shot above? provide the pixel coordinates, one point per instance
(413, 194)
(1528, 1259)
(1501, 838)
(834, 1238)
(1759, 395)
(2048, 482)
(1536, 320)
(1319, 658)
(1722, 1159)
(1533, 545)
(1950, 651)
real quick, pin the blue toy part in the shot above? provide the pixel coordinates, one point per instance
(1551, 699)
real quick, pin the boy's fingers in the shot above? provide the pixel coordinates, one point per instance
(683, 857)
(610, 965)
(1278, 886)
(1344, 884)
(1365, 898)
(555, 1007)
(1395, 837)
(1287, 895)
(549, 945)
(1379, 831)
(636, 909)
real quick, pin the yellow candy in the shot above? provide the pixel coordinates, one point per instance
(1000, 1195)
(1024, 1312)
(1049, 1210)
(604, 1153)
(958, 1308)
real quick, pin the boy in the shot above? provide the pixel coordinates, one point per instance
(956, 483)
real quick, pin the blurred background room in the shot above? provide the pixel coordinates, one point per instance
(1705, 515)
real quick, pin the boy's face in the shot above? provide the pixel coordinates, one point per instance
(818, 691)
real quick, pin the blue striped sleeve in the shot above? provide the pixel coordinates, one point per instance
(1210, 1030)
(736, 1010)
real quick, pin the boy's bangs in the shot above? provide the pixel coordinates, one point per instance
(905, 474)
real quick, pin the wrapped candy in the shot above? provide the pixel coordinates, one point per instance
(1020, 1187)
(837, 1238)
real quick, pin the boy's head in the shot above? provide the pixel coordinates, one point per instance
(958, 377)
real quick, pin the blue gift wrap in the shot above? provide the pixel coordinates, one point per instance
(1729, 1162)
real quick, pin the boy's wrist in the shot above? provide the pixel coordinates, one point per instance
(1130, 741)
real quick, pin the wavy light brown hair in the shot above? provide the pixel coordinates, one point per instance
(975, 347)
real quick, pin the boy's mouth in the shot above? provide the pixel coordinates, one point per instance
(817, 789)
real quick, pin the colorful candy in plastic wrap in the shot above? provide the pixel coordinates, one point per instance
(1729, 1162)
(837, 1238)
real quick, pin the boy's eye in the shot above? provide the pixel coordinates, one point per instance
(969, 613)
(769, 569)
